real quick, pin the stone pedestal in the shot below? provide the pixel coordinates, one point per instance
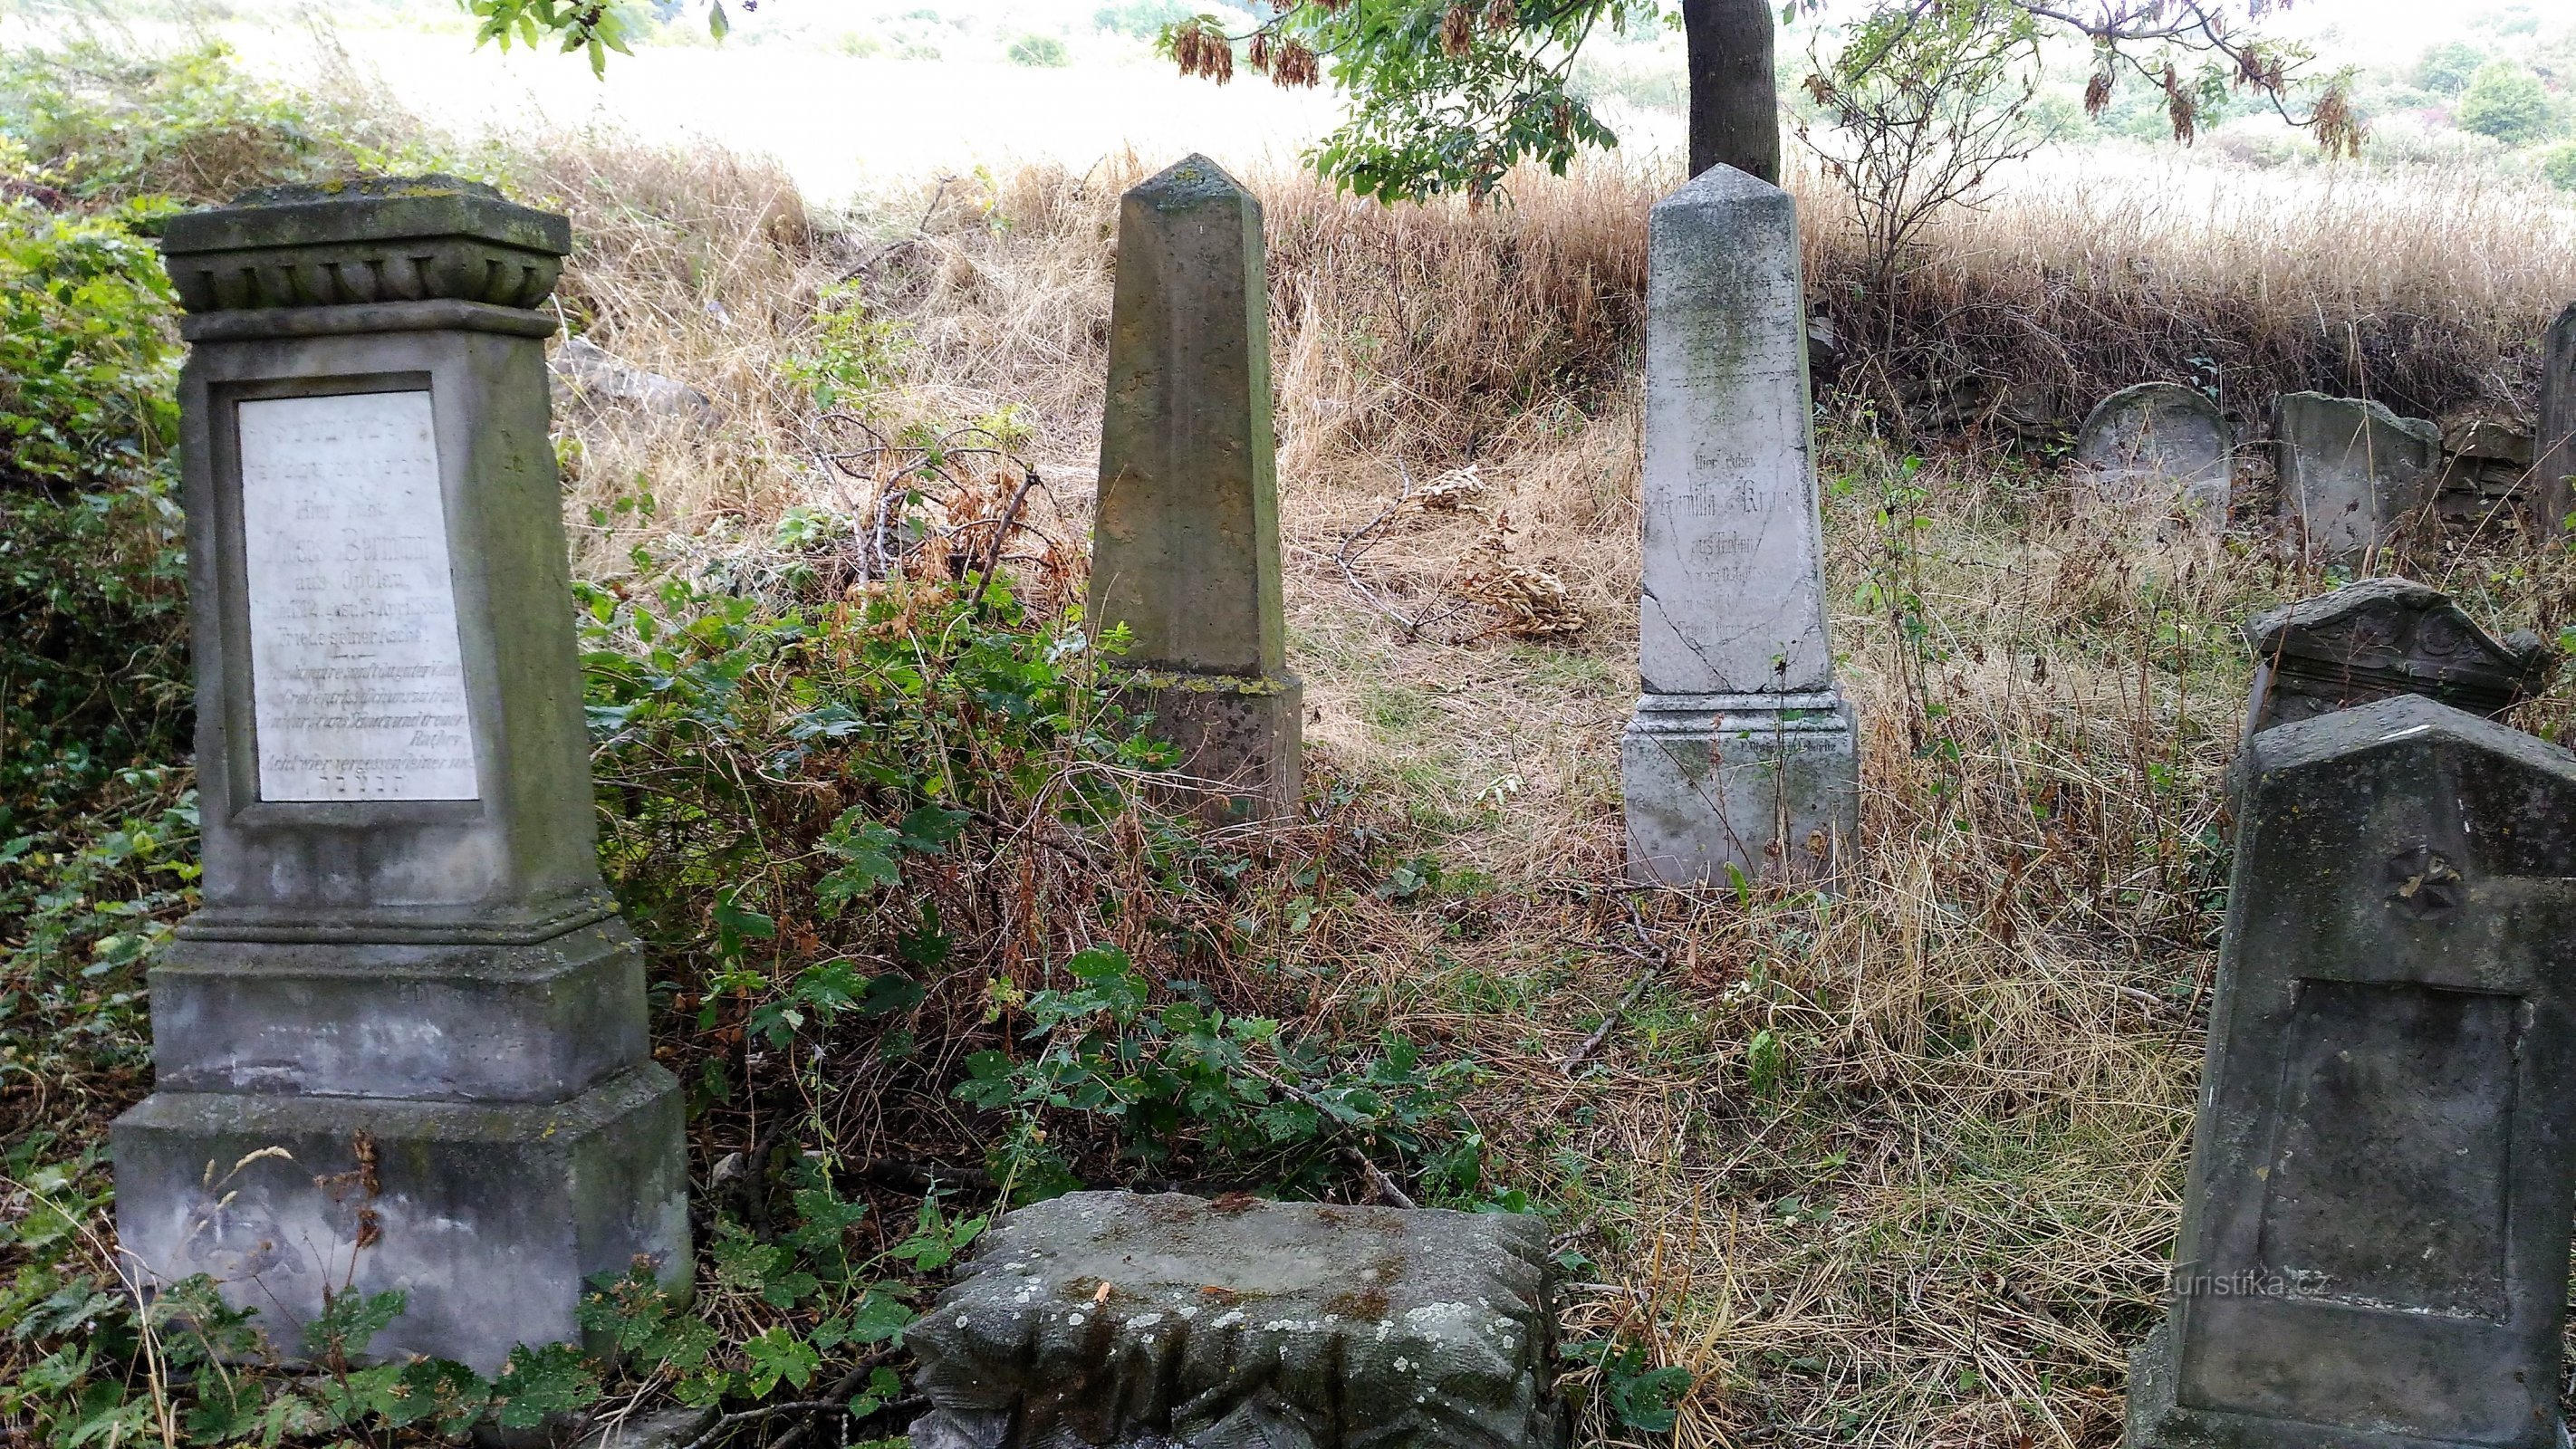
(406, 975)
(2350, 471)
(1185, 546)
(2373, 1251)
(1116, 1319)
(2155, 450)
(2553, 472)
(1764, 781)
(1742, 751)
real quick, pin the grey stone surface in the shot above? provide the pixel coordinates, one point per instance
(1764, 781)
(2553, 494)
(1741, 748)
(2387, 636)
(2350, 471)
(1107, 1318)
(585, 372)
(487, 1216)
(1185, 546)
(2158, 447)
(441, 977)
(2486, 466)
(1248, 728)
(2374, 1242)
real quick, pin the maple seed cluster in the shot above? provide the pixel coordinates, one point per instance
(1202, 50)
(1287, 60)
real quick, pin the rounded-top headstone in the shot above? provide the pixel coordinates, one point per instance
(2158, 443)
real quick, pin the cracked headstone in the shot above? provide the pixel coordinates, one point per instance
(401, 1044)
(1743, 751)
(2374, 1239)
(1185, 545)
(2553, 474)
(2380, 637)
(1120, 1319)
(2350, 471)
(2158, 449)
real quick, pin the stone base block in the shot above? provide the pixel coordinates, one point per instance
(472, 1023)
(2156, 1421)
(1769, 783)
(1111, 1318)
(488, 1217)
(1238, 736)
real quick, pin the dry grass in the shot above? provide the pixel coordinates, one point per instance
(1899, 1168)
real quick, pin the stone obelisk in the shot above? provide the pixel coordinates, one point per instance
(1743, 752)
(1185, 549)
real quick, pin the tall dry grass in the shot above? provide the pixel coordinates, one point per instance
(1895, 1168)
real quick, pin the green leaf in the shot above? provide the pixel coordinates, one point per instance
(534, 1383)
(779, 1354)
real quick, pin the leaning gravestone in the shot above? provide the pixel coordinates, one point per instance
(2157, 446)
(2553, 485)
(402, 1043)
(1116, 1319)
(2350, 470)
(2374, 1241)
(2380, 637)
(1185, 548)
(1742, 752)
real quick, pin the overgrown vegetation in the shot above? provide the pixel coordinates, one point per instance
(1897, 1166)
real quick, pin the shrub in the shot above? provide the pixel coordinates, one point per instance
(2508, 102)
(1039, 50)
(190, 125)
(2447, 69)
(2559, 165)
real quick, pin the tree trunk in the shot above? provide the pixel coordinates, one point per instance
(1734, 98)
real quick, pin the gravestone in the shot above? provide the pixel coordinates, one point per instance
(2380, 637)
(1119, 1319)
(2157, 447)
(1743, 751)
(2350, 471)
(1185, 546)
(2486, 465)
(401, 1045)
(2374, 1241)
(2553, 494)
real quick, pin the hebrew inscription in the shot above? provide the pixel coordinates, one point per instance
(357, 680)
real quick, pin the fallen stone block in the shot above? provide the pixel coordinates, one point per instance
(1119, 1319)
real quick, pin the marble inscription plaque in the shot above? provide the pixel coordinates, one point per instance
(357, 680)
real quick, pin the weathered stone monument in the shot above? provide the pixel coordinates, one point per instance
(1742, 750)
(1185, 547)
(2374, 1241)
(1116, 1319)
(2486, 468)
(2350, 471)
(2386, 636)
(2157, 447)
(2553, 473)
(402, 1043)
